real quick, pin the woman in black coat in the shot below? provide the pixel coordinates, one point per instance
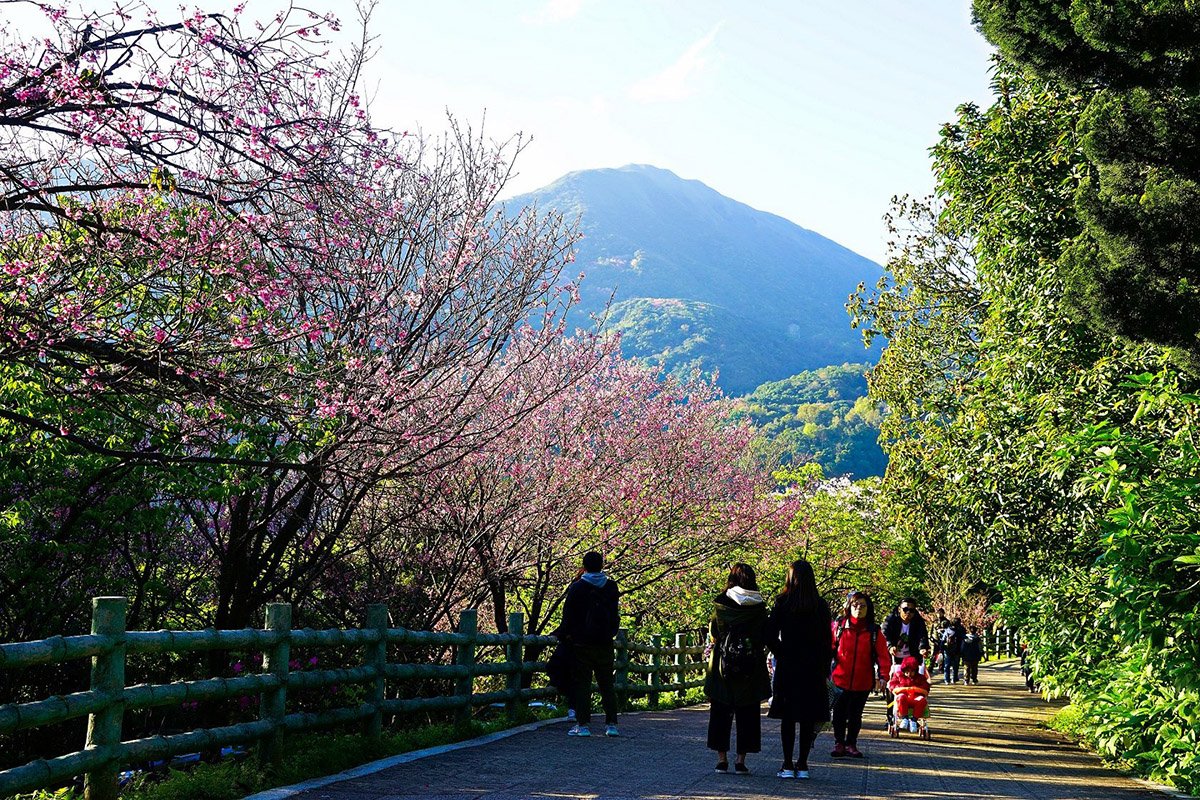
(736, 682)
(798, 634)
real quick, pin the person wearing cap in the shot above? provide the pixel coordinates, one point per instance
(911, 689)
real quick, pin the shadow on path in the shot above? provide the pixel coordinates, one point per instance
(985, 744)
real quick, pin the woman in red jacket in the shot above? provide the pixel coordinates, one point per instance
(860, 659)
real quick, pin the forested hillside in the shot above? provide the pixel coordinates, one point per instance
(821, 415)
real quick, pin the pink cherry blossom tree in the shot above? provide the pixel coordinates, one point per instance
(648, 469)
(206, 239)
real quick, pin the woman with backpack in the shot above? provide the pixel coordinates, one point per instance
(798, 634)
(736, 681)
(860, 661)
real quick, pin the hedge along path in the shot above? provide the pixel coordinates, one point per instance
(985, 744)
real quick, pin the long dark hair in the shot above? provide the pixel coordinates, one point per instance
(742, 575)
(800, 591)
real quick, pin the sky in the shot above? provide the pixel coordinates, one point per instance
(819, 111)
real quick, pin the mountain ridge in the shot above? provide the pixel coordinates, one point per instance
(651, 235)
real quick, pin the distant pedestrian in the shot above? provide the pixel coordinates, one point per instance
(972, 654)
(798, 634)
(736, 681)
(939, 624)
(590, 621)
(1027, 668)
(951, 638)
(861, 661)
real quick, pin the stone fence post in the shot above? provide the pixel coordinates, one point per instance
(273, 704)
(108, 679)
(375, 656)
(464, 687)
(514, 655)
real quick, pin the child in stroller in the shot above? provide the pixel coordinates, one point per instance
(910, 688)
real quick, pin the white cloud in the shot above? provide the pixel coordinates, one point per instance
(556, 11)
(677, 81)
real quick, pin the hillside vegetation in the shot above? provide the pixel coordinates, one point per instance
(821, 415)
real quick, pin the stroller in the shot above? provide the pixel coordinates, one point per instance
(908, 692)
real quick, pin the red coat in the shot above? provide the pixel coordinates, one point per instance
(899, 681)
(854, 669)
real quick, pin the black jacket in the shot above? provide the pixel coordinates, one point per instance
(972, 647)
(918, 634)
(751, 620)
(580, 596)
(802, 646)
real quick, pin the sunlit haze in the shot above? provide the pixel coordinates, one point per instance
(819, 111)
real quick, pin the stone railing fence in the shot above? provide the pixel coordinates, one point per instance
(643, 669)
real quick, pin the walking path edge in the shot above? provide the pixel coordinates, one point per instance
(283, 792)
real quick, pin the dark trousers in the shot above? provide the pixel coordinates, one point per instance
(721, 719)
(787, 735)
(847, 716)
(972, 668)
(594, 659)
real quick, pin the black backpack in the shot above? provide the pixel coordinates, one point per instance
(737, 656)
(598, 622)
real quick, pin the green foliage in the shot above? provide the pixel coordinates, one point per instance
(851, 535)
(1135, 266)
(1069, 720)
(686, 336)
(66, 517)
(1058, 463)
(821, 415)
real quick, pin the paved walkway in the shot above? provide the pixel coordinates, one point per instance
(985, 743)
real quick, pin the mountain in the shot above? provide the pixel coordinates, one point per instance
(700, 280)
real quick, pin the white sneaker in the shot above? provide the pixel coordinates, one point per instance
(801, 773)
(611, 730)
(579, 730)
(570, 715)
(786, 773)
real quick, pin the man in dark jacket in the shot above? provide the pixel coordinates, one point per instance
(906, 632)
(589, 623)
(951, 637)
(972, 652)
